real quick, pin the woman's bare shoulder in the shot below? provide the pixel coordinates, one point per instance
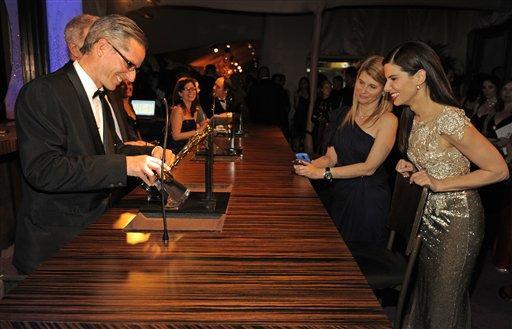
(388, 119)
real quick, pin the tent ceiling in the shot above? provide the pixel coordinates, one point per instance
(304, 6)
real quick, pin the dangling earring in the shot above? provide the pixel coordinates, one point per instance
(418, 87)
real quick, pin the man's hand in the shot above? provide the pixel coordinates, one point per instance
(158, 151)
(145, 167)
(138, 143)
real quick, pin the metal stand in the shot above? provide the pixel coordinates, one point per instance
(232, 149)
(240, 131)
(209, 200)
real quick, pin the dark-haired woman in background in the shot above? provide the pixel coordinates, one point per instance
(325, 103)
(442, 143)
(127, 89)
(184, 113)
(482, 118)
(361, 194)
(300, 104)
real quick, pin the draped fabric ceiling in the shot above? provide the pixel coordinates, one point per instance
(305, 6)
(293, 32)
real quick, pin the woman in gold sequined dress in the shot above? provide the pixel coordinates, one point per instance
(442, 143)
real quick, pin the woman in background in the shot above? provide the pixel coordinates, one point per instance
(486, 110)
(442, 143)
(354, 158)
(127, 88)
(300, 104)
(502, 247)
(324, 105)
(184, 113)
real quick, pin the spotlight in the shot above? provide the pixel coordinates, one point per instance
(215, 50)
(228, 45)
(249, 46)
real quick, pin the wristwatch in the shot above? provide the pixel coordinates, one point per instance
(328, 174)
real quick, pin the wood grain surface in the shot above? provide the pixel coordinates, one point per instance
(278, 263)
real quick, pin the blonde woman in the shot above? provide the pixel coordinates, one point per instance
(353, 161)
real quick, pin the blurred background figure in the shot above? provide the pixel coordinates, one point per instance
(131, 118)
(75, 32)
(350, 74)
(280, 80)
(487, 103)
(325, 102)
(206, 83)
(300, 104)
(265, 99)
(337, 90)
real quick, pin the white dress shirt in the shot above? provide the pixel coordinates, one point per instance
(90, 88)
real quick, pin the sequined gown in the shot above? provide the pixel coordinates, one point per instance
(452, 228)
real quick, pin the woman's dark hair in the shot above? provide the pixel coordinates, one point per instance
(300, 82)
(500, 105)
(413, 56)
(404, 130)
(179, 87)
(492, 79)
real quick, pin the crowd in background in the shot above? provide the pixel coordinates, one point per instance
(263, 98)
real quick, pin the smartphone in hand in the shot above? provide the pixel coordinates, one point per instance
(301, 159)
(302, 156)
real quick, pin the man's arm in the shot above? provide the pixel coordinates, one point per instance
(47, 162)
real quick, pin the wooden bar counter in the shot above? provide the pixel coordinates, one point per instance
(279, 262)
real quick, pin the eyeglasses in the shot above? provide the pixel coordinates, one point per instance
(131, 67)
(190, 89)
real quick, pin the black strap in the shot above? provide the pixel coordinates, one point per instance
(110, 138)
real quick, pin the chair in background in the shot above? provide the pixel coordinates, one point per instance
(391, 267)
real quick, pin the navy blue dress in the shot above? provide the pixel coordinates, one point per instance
(186, 125)
(360, 205)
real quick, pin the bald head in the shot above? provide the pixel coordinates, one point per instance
(221, 87)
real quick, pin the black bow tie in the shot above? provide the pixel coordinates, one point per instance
(100, 93)
(222, 100)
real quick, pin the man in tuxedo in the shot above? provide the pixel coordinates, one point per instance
(222, 97)
(70, 153)
(74, 33)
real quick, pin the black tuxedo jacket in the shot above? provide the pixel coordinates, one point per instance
(217, 107)
(66, 175)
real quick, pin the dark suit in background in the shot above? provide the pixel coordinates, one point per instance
(206, 83)
(266, 102)
(66, 175)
